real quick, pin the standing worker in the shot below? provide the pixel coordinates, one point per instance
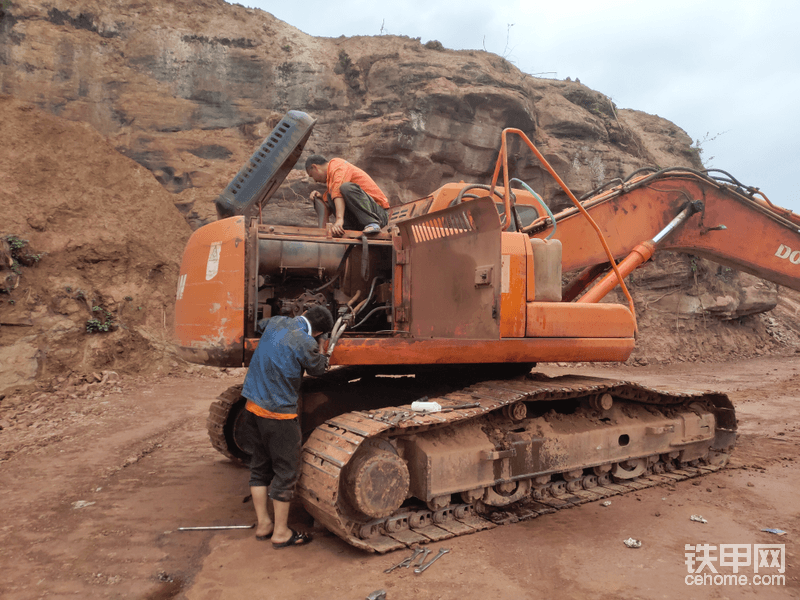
(272, 388)
(353, 198)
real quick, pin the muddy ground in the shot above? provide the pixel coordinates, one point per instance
(95, 487)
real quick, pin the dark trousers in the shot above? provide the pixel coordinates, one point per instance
(276, 455)
(359, 208)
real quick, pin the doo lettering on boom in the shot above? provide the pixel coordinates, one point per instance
(785, 252)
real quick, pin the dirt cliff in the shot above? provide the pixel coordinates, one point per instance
(188, 89)
(122, 115)
(99, 244)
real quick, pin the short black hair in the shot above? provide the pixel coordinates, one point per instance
(315, 159)
(320, 318)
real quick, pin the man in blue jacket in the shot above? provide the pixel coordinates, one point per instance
(272, 388)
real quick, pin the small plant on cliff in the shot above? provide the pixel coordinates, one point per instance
(698, 148)
(350, 71)
(102, 323)
(19, 256)
(345, 62)
(4, 6)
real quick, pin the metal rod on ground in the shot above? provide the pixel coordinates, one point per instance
(215, 527)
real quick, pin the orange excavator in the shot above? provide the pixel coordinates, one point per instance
(433, 424)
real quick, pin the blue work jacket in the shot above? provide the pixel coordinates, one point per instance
(276, 369)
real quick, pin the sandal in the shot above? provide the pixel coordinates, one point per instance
(297, 539)
(261, 538)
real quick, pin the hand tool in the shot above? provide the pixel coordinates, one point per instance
(460, 406)
(442, 552)
(421, 558)
(405, 562)
(215, 527)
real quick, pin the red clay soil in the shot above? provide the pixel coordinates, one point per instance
(94, 490)
(109, 241)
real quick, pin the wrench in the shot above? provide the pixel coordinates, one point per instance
(442, 552)
(405, 562)
(460, 406)
(421, 558)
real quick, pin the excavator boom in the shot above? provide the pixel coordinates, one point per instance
(729, 227)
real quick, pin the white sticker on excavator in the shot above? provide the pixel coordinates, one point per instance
(213, 261)
(505, 274)
(181, 285)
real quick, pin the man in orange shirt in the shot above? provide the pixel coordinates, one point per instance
(353, 198)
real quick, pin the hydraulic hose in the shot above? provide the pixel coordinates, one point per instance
(542, 202)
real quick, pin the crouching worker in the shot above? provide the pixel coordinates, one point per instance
(272, 388)
(352, 197)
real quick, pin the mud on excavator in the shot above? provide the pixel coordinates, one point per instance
(455, 302)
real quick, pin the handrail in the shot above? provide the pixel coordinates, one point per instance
(502, 158)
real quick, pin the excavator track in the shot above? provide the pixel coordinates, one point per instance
(222, 421)
(352, 459)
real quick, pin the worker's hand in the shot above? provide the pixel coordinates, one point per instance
(336, 229)
(315, 195)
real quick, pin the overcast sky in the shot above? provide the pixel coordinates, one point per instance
(725, 71)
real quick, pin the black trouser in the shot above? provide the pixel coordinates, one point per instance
(276, 455)
(359, 208)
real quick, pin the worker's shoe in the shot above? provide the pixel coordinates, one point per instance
(372, 228)
(297, 539)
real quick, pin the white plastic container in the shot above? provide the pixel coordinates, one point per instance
(421, 406)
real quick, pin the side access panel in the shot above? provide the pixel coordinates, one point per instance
(210, 303)
(451, 273)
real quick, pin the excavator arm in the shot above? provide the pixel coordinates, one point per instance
(723, 225)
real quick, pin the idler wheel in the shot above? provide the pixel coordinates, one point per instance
(628, 469)
(558, 488)
(461, 512)
(516, 412)
(506, 493)
(439, 502)
(376, 483)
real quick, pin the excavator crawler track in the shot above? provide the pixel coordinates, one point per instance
(347, 457)
(221, 420)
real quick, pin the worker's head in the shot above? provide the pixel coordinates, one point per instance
(320, 318)
(317, 168)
